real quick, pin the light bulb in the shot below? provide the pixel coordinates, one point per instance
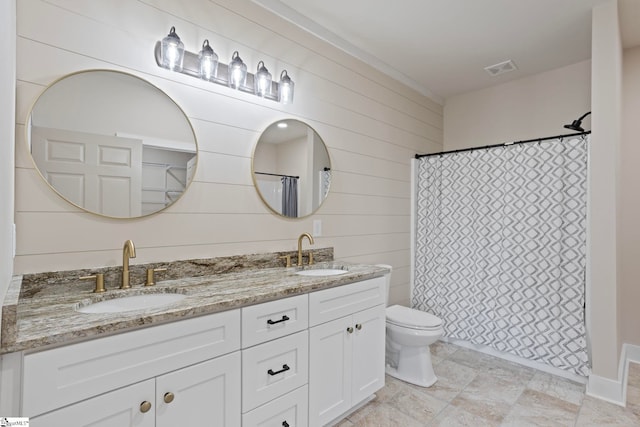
(285, 89)
(262, 80)
(172, 52)
(237, 71)
(208, 61)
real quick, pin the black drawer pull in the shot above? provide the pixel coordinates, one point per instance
(285, 424)
(285, 368)
(284, 319)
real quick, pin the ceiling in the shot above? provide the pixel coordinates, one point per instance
(441, 47)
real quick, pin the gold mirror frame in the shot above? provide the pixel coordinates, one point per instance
(105, 140)
(297, 157)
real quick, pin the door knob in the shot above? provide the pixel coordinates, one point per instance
(350, 329)
(168, 397)
(145, 406)
(358, 326)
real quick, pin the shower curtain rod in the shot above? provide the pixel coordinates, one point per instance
(506, 144)
(277, 174)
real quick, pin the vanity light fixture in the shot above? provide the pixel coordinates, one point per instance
(285, 90)
(237, 71)
(208, 61)
(262, 80)
(170, 54)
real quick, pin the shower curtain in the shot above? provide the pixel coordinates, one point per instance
(290, 196)
(500, 251)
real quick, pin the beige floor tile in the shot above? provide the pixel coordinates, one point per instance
(489, 397)
(558, 387)
(417, 404)
(452, 416)
(510, 371)
(493, 411)
(634, 374)
(537, 408)
(392, 386)
(443, 349)
(472, 359)
(597, 413)
(633, 399)
(382, 415)
(452, 379)
(478, 390)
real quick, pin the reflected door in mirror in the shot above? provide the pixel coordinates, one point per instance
(112, 143)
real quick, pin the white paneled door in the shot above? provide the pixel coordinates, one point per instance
(100, 173)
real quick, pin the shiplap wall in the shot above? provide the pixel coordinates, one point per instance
(371, 124)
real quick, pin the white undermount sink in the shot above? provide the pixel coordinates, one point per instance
(322, 272)
(130, 303)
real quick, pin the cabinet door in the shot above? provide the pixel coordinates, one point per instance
(330, 356)
(203, 395)
(290, 409)
(120, 408)
(368, 353)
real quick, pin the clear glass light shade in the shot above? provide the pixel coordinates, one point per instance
(262, 80)
(172, 52)
(208, 62)
(237, 71)
(285, 88)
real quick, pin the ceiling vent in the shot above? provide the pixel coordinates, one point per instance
(501, 68)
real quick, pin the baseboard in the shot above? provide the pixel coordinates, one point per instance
(615, 391)
(606, 389)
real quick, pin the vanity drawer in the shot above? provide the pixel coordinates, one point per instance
(331, 304)
(275, 319)
(60, 376)
(274, 368)
(292, 409)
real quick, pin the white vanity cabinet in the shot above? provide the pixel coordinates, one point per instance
(174, 374)
(346, 346)
(298, 361)
(207, 391)
(275, 363)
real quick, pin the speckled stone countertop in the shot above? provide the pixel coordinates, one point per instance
(37, 315)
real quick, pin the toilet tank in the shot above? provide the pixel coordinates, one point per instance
(387, 284)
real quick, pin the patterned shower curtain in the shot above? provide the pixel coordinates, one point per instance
(501, 248)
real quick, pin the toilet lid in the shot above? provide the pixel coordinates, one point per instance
(405, 316)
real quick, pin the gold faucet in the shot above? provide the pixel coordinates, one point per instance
(302, 236)
(128, 251)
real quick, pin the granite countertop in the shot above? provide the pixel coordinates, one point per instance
(48, 316)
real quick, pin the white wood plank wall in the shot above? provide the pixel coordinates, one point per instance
(371, 124)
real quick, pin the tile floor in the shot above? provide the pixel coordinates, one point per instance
(475, 389)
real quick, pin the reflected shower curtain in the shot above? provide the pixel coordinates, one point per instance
(290, 196)
(501, 248)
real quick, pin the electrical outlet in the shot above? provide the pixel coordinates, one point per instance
(317, 227)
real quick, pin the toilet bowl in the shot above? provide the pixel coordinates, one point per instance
(409, 334)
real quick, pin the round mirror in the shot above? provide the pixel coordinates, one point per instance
(291, 168)
(112, 143)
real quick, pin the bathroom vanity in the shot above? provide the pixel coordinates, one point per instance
(256, 347)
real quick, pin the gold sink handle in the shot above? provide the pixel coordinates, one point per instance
(150, 275)
(99, 278)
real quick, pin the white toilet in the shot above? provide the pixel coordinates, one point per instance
(409, 334)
